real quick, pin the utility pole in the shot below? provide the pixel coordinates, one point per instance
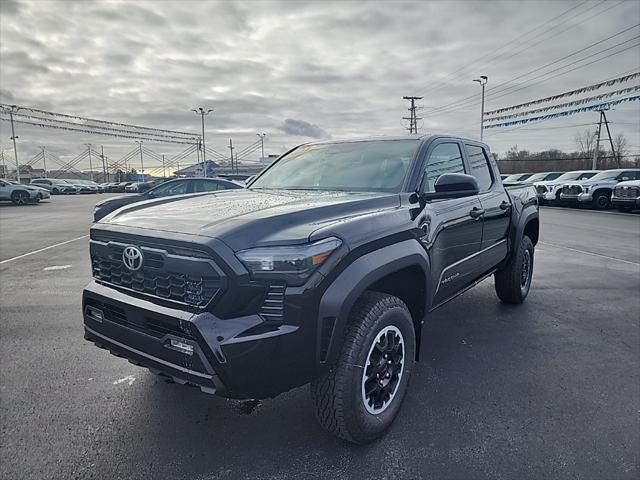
(44, 162)
(139, 142)
(482, 81)
(90, 162)
(231, 150)
(105, 168)
(413, 119)
(164, 172)
(262, 135)
(601, 120)
(14, 137)
(202, 112)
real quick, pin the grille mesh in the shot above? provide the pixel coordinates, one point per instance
(628, 192)
(179, 285)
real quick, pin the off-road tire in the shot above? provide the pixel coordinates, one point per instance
(600, 201)
(338, 394)
(510, 283)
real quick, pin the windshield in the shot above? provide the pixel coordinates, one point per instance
(575, 175)
(606, 175)
(516, 177)
(377, 165)
(538, 177)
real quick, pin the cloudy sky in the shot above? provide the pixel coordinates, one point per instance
(303, 70)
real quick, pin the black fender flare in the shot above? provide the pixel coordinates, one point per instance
(338, 300)
(528, 213)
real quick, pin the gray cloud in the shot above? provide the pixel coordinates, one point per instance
(300, 128)
(257, 63)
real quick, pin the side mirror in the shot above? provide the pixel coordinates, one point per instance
(453, 185)
(150, 194)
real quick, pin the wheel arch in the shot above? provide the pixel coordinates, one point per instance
(391, 269)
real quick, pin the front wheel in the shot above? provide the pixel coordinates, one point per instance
(20, 198)
(359, 397)
(513, 281)
(600, 201)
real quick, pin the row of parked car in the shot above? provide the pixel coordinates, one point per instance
(598, 189)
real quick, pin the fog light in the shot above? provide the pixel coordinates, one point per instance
(94, 313)
(181, 347)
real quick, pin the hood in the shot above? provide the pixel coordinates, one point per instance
(629, 183)
(119, 199)
(245, 218)
(547, 182)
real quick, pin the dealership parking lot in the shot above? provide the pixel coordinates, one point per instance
(549, 389)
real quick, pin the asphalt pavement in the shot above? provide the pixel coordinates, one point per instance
(549, 389)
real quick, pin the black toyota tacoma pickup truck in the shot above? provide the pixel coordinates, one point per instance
(323, 271)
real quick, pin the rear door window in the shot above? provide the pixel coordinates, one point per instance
(171, 188)
(205, 186)
(479, 164)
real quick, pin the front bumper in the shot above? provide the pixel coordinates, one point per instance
(242, 357)
(585, 198)
(625, 202)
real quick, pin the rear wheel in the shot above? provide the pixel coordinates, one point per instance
(600, 200)
(513, 281)
(20, 198)
(359, 397)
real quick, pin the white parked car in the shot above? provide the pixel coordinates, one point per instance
(18, 193)
(57, 186)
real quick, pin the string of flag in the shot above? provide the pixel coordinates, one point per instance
(577, 91)
(565, 113)
(582, 101)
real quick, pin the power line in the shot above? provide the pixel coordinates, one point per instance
(509, 44)
(458, 107)
(498, 88)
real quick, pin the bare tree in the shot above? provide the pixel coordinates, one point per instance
(585, 142)
(621, 145)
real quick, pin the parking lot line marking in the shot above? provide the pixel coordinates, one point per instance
(591, 253)
(56, 267)
(42, 249)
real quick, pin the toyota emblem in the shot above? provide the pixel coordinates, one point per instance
(132, 258)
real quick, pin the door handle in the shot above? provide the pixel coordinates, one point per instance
(476, 213)
(505, 206)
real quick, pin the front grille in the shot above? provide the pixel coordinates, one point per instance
(273, 305)
(626, 192)
(540, 189)
(574, 190)
(187, 280)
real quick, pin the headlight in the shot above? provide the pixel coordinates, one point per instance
(294, 263)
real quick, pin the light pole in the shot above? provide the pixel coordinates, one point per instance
(13, 137)
(90, 162)
(202, 112)
(44, 161)
(262, 135)
(482, 81)
(139, 142)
